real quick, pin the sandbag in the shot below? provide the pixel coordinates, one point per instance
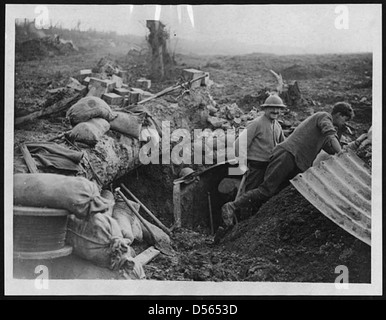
(98, 239)
(127, 123)
(89, 132)
(89, 108)
(78, 195)
(107, 194)
(130, 225)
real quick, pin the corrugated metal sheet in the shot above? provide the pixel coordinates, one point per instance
(340, 188)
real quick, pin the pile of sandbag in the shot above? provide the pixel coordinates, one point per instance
(91, 117)
(89, 132)
(99, 239)
(98, 229)
(105, 238)
(89, 108)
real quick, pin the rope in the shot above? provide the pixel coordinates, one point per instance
(88, 239)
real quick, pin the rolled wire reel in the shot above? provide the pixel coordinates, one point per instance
(39, 233)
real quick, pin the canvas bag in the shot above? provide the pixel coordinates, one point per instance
(98, 239)
(127, 123)
(89, 132)
(89, 108)
(130, 225)
(78, 195)
(107, 194)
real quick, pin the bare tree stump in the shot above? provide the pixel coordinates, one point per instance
(159, 53)
(292, 95)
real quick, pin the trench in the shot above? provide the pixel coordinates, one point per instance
(255, 244)
(199, 199)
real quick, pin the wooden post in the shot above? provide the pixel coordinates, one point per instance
(210, 214)
(177, 205)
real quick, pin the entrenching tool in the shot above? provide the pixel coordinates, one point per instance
(161, 239)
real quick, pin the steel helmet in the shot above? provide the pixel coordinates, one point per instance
(185, 172)
(274, 101)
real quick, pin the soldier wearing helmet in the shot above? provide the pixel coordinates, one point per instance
(262, 135)
(294, 155)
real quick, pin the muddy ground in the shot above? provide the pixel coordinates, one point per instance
(288, 239)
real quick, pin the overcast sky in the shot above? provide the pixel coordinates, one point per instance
(304, 28)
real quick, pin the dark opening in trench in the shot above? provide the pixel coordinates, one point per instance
(197, 200)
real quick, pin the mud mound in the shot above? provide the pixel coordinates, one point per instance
(305, 244)
(45, 47)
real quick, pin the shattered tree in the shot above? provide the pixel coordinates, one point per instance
(160, 58)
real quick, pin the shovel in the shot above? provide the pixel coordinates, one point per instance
(161, 239)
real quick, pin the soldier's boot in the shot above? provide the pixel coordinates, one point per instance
(249, 201)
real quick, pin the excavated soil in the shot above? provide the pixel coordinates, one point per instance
(288, 239)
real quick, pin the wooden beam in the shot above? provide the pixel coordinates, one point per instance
(60, 106)
(146, 256)
(28, 159)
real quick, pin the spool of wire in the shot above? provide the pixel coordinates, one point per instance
(39, 233)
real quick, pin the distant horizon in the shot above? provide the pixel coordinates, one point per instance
(209, 52)
(278, 29)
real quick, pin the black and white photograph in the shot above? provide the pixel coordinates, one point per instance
(193, 150)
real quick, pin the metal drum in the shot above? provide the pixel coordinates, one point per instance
(39, 233)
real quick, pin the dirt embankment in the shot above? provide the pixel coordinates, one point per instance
(307, 246)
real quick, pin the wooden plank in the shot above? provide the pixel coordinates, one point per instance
(60, 106)
(28, 159)
(146, 256)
